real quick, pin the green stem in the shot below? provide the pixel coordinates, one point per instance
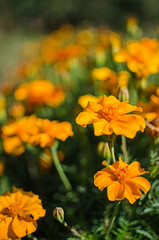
(73, 230)
(111, 147)
(59, 168)
(125, 152)
(113, 219)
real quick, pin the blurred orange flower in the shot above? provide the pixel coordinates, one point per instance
(110, 80)
(48, 131)
(39, 92)
(19, 211)
(122, 181)
(34, 131)
(141, 56)
(109, 116)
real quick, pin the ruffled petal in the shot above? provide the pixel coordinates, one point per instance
(116, 191)
(131, 192)
(128, 125)
(108, 100)
(135, 170)
(102, 127)
(124, 107)
(141, 183)
(85, 118)
(103, 179)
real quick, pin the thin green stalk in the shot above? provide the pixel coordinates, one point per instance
(59, 167)
(113, 219)
(124, 148)
(74, 231)
(111, 147)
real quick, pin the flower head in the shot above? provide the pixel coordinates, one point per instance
(109, 116)
(34, 131)
(19, 211)
(122, 181)
(40, 92)
(141, 56)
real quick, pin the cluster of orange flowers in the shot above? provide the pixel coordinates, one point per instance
(63, 46)
(110, 116)
(34, 131)
(98, 54)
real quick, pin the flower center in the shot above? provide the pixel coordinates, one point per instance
(12, 211)
(121, 174)
(109, 113)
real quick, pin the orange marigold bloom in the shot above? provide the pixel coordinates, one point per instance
(19, 212)
(48, 131)
(39, 92)
(34, 131)
(122, 181)
(141, 56)
(109, 116)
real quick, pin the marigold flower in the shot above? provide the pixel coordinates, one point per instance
(34, 131)
(122, 181)
(48, 131)
(109, 116)
(39, 92)
(19, 212)
(141, 56)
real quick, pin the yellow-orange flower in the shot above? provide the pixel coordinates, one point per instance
(141, 56)
(48, 131)
(110, 80)
(122, 181)
(34, 131)
(109, 116)
(39, 92)
(19, 212)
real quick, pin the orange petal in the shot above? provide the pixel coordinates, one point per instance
(108, 100)
(93, 107)
(135, 170)
(102, 127)
(4, 227)
(113, 167)
(115, 191)
(130, 193)
(141, 183)
(124, 107)
(23, 227)
(128, 125)
(85, 118)
(103, 179)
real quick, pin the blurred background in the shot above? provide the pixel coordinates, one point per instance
(22, 21)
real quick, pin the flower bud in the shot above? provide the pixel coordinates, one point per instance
(103, 149)
(58, 214)
(123, 94)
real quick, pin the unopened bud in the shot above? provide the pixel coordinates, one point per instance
(103, 149)
(58, 214)
(123, 94)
